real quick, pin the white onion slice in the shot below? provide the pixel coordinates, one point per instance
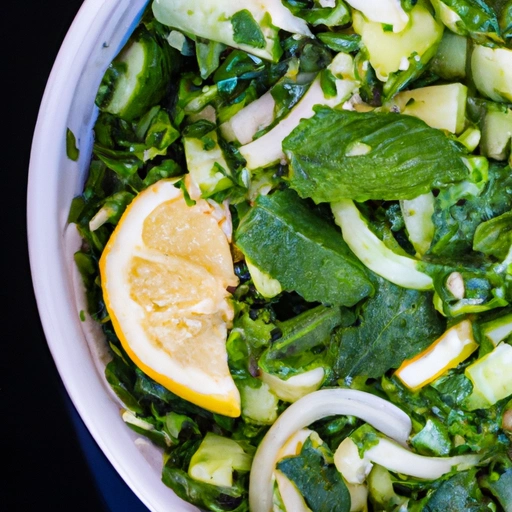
(399, 460)
(382, 415)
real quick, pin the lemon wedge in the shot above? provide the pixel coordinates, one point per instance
(453, 347)
(164, 273)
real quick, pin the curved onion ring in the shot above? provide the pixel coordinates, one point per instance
(379, 413)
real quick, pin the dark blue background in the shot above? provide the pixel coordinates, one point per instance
(49, 460)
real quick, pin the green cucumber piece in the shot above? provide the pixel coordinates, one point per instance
(207, 167)
(440, 106)
(389, 52)
(493, 237)
(451, 58)
(498, 329)
(259, 404)
(138, 77)
(290, 243)
(491, 378)
(386, 12)
(491, 70)
(432, 439)
(417, 214)
(216, 459)
(496, 139)
(266, 286)
(380, 489)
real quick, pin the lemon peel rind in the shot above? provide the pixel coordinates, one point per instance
(223, 397)
(220, 404)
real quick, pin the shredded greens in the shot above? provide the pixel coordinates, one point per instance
(194, 85)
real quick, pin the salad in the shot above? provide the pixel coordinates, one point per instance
(297, 239)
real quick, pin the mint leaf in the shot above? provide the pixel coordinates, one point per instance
(282, 237)
(246, 30)
(395, 324)
(320, 483)
(405, 157)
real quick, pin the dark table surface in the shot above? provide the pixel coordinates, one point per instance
(47, 453)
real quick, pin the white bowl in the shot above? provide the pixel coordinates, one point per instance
(97, 33)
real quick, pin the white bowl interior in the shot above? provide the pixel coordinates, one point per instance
(98, 32)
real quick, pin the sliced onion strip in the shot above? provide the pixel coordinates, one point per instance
(382, 415)
(399, 460)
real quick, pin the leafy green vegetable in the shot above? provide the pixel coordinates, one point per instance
(405, 157)
(285, 239)
(460, 493)
(371, 87)
(433, 439)
(137, 78)
(505, 20)
(395, 323)
(246, 30)
(252, 333)
(319, 482)
(416, 66)
(473, 17)
(500, 486)
(460, 210)
(316, 14)
(477, 431)
(210, 497)
(331, 311)
(364, 437)
(347, 43)
(304, 341)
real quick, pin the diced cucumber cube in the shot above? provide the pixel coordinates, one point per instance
(497, 134)
(440, 106)
(450, 60)
(389, 51)
(491, 70)
(491, 378)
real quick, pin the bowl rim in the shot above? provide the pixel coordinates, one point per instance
(48, 244)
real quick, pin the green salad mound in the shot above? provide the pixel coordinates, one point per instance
(363, 148)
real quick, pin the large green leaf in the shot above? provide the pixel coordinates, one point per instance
(395, 324)
(282, 237)
(344, 154)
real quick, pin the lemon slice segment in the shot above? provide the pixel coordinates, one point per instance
(455, 345)
(164, 273)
